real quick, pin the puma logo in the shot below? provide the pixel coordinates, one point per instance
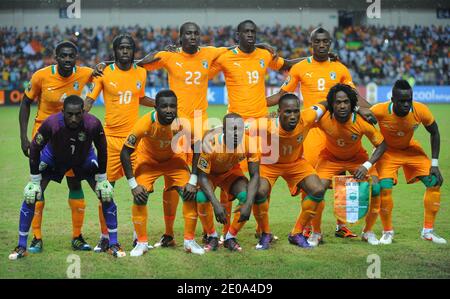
(179, 64)
(309, 75)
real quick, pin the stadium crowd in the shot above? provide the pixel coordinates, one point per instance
(373, 54)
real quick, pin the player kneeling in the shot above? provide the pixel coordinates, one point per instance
(218, 166)
(63, 142)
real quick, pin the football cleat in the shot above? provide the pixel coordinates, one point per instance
(370, 238)
(314, 239)
(344, 232)
(307, 231)
(165, 241)
(264, 241)
(232, 244)
(433, 237)
(19, 252)
(212, 244)
(139, 249)
(102, 246)
(273, 238)
(299, 240)
(36, 245)
(79, 243)
(192, 247)
(116, 251)
(387, 237)
(205, 238)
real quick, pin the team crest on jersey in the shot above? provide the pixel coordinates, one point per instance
(300, 138)
(203, 163)
(82, 136)
(205, 64)
(262, 63)
(76, 85)
(138, 84)
(39, 138)
(333, 75)
(354, 137)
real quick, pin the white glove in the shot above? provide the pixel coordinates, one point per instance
(32, 191)
(103, 188)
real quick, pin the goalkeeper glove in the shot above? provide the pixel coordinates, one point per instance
(32, 191)
(103, 188)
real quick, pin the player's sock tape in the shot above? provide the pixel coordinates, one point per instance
(429, 181)
(76, 194)
(313, 198)
(242, 197)
(376, 189)
(201, 197)
(386, 183)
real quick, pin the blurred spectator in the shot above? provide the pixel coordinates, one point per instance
(373, 53)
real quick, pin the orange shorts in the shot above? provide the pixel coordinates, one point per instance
(313, 144)
(37, 125)
(293, 173)
(413, 159)
(175, 171)
(226, 180)
(328, 166)
(114, 170)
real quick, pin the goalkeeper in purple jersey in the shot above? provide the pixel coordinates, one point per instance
(64, 142)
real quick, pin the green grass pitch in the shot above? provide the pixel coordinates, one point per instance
(407, 257)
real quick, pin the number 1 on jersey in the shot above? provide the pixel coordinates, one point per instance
(125, 97)
(253, 77)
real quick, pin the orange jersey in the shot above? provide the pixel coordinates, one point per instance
(50, 88)
(152, 139)
(244, 77)
(343, 140)
(399, 131)
(188, 76)
(220, 161)
(316, 79)
(291, 143)
(121, 92)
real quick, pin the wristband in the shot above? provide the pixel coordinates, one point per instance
(367, 165)
(434, 163)
(193, 180)
(132, 182)
(100, 177)
(35, 178)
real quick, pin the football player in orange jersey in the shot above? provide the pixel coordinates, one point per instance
(218, 166)
(49, 86)
(317, 74)
(343, 151)
(398, 121)
(290, 129)
(154, 137)
(123, 86)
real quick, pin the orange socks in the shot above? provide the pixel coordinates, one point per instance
(261, 213)
(431, 202)
(37, 219)
(78, 207)
(190, 218)
(387, 204)
(236, 226)
(228, 205)
(372, 214)
(139, 217)
(317, 220)
(307, 213)
(206, 214)
(101, 219)
(170, 204)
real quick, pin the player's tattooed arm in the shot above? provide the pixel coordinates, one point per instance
(24, 116)
(275, 98)
(147, 101)
(140, 194)
(253, 186)
(362, 171)
(88, 102)
(435, 140)
(219, 211)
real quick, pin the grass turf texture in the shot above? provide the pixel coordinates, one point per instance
(407, 257)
